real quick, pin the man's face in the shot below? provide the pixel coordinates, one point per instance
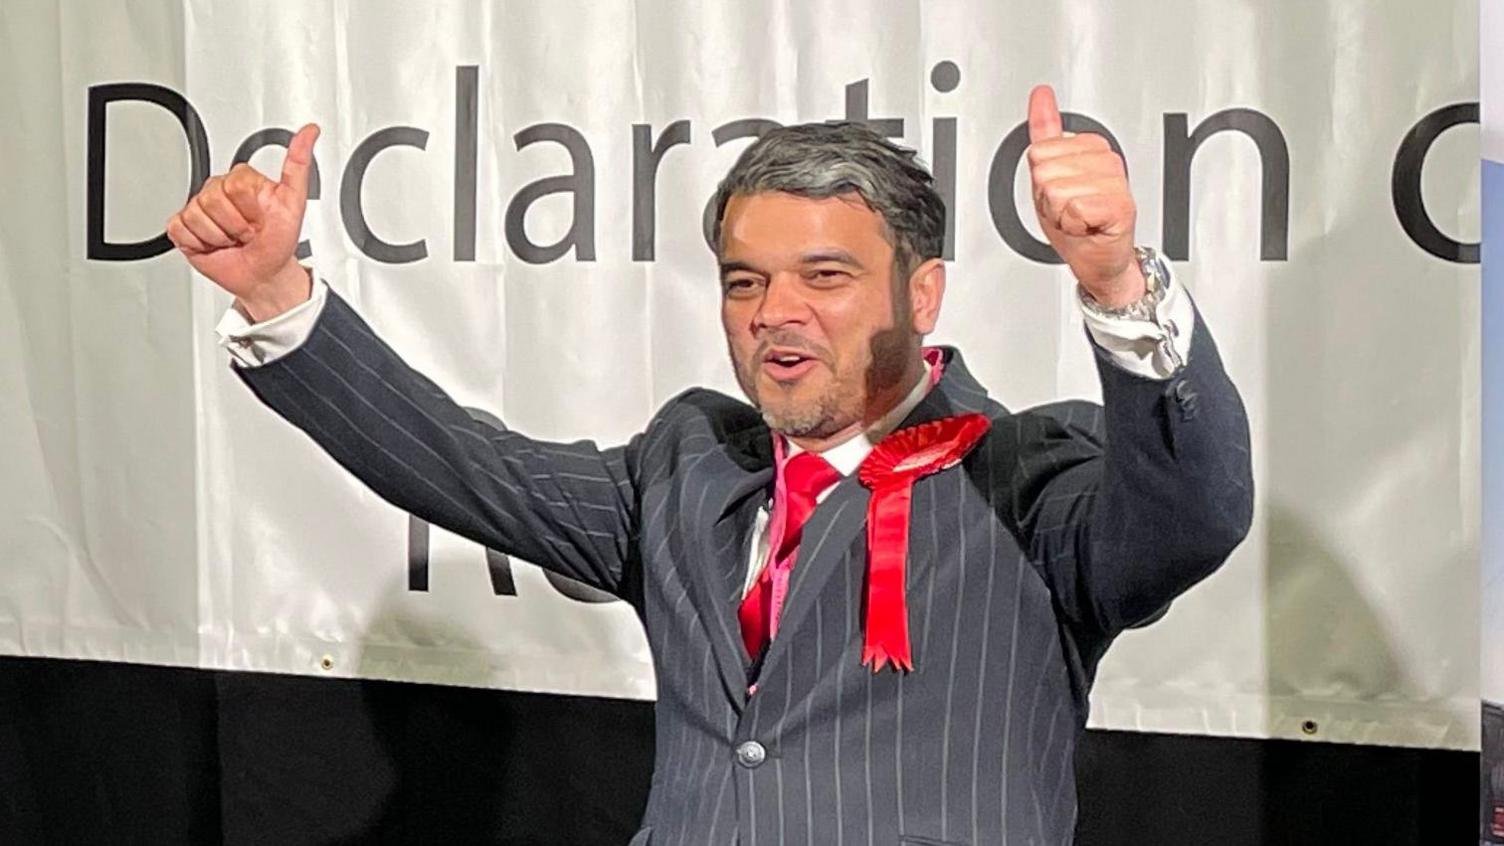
(820, 339)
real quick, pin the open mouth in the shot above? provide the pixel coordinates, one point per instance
(787, 365)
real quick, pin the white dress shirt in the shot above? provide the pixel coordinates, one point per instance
(1150, 348)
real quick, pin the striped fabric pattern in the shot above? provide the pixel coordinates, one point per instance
(1025, 562)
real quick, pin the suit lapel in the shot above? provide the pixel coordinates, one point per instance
(734, 481)
(842, 516)
(737, 479)
(827, 537)
(957, 393)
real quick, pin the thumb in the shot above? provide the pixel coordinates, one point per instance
(300, 160)
(1044, 115)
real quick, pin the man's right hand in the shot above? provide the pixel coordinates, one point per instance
(241, 230)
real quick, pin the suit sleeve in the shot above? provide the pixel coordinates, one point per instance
(568, 507)
(1128, 505)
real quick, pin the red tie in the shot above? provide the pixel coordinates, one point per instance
(805, 476)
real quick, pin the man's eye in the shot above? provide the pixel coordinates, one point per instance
(739, 285)
(828, 274)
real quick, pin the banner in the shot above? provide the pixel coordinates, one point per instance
(513, 195)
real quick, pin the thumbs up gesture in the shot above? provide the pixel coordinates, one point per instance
(1084, 206)
(241, 230)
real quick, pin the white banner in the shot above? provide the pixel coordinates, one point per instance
(512, 195)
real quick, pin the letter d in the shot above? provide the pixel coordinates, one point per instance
(101, 96)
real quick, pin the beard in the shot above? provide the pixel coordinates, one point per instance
(820, 417)
(802, 410)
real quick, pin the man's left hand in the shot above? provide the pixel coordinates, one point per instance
(1084, 205)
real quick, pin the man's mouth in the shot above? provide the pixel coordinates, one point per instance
(787, 365)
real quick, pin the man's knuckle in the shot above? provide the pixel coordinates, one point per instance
(243, 180)
(1056, 170)
(222, 210)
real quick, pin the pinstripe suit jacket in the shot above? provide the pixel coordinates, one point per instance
(1066, 525)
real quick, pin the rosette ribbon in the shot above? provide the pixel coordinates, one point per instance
(890, 471)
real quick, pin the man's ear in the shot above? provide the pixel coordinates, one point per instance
(926, 290)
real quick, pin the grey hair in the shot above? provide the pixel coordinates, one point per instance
(821, 160)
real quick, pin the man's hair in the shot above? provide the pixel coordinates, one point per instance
(820, 160)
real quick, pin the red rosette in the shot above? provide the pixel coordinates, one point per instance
(890, 471)
(921, 450)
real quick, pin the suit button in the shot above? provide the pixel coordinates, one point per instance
(751, 754)
(1187, 398)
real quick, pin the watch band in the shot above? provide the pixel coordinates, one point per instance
(1156, 277)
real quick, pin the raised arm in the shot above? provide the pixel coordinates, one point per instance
(1128, 505)
(569, 507)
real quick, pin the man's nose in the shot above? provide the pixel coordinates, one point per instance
(782, 302)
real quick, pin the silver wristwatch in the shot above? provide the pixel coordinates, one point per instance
(1157, 277)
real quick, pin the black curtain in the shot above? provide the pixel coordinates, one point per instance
(108, 753)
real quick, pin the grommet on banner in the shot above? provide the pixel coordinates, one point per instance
(326, 662)
(1309, 727)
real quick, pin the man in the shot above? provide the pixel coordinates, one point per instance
(852, 645)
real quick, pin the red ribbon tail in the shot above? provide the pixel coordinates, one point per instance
(887, 629)
(875, 660)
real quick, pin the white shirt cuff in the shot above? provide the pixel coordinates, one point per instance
(255, 344)
(1156, 348)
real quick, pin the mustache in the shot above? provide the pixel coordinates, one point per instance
(789, 341)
